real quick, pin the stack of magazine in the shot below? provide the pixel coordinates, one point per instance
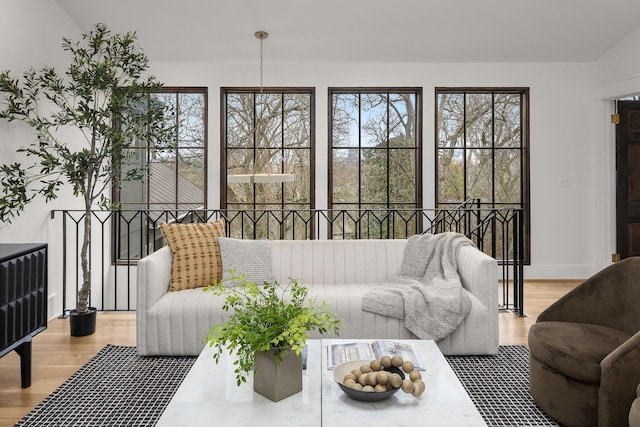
(362, 350)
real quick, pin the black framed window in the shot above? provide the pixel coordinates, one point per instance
(482, 149)
(176, 179)
(375, 160)
(267, 168)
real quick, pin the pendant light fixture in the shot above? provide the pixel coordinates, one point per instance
(265, 177)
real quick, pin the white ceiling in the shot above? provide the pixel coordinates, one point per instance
(366, 30)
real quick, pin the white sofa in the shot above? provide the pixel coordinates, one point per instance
(338, 272)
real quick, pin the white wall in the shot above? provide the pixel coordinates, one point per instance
(562, 111)
(618, 69)
(31, 33)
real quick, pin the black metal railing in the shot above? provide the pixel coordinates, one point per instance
(120, 238)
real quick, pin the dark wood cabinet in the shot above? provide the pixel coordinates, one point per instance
(23, 300)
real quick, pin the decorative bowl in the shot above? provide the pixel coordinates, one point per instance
(341, 370)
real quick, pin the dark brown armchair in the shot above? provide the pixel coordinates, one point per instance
(585, 350)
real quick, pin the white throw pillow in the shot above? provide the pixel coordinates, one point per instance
(249, 257)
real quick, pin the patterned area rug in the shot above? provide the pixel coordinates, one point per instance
(119, 388)
(499, 387)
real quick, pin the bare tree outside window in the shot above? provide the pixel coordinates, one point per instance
(270, 132)
(483, 149)
(374, 158)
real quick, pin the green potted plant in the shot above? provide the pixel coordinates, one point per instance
(85, 122)
(267, 331)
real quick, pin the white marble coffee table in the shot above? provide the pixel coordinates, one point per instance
(444, 402)
(209, 396)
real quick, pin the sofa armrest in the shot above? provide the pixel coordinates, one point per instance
(479, 332)
(619, 377)
(153, 278)
(479, 275)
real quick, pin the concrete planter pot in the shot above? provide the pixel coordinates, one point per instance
(277, 381)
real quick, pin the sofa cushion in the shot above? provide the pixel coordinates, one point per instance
(196, 253)
(179, 321)
(574, 349)
(336, 261)
(249, 257)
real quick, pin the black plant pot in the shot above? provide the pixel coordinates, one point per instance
(82, 324)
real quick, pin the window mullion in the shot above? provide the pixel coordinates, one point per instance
(522, 150)
(177, 152)
(359, 150)
(254, 138)
(282, 116)
(388, 201)
(493, 149)
(464, 147)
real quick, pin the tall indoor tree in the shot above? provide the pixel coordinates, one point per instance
(105, 96)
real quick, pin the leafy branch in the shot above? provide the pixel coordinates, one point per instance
(85, 122)
(268, 317)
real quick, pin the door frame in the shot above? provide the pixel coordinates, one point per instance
(604, 198)
(603, 164)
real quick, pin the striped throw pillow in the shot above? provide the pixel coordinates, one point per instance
(196, 253)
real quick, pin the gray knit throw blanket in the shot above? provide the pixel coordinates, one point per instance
(428, 293)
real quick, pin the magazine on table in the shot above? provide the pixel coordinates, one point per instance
(361, 350)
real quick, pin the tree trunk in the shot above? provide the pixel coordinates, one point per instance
(82, 300)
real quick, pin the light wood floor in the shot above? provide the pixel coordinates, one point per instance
(57, 355)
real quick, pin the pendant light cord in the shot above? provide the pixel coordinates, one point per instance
(261, 35)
